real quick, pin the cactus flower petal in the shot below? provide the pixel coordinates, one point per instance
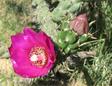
(32, 54)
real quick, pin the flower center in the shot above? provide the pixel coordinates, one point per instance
(38, 56)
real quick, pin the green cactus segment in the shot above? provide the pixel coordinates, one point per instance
(66, 38)
(70, 37)
(61, 39)
(44, 17)
(71, 47)
(83, 38)
(65, 7)
(58, 15)
(64, 4)
(74, 7)
(64, 26)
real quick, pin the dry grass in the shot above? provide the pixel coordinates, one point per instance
(8, 77)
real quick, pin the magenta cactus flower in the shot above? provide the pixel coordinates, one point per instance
(80, 24)
(32, 54)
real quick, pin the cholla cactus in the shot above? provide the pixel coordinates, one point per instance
(47, 17)
(64, 8)
(44, 17)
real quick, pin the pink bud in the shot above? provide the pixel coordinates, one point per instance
(80, 24)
